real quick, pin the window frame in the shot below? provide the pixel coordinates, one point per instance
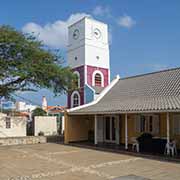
(147, 124)
(102, 78)
(8, 122)
(78, 80)
(72, 99)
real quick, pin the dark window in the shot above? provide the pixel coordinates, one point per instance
(150, 123)
(113, 129)
(146, 124)
(75, 100)
(8, 122)
(107, 128)
(143, 124)
(98, 79)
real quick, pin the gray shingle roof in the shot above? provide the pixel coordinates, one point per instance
(158, 91)
(97, 89)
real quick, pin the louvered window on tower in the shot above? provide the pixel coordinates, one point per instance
(98, 80)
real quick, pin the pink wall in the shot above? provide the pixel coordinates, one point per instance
(91, 69)
(81, 90)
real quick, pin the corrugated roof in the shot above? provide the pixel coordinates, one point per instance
(156, 91)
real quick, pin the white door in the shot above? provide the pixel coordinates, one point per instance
(110, 129)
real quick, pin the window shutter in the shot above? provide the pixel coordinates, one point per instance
(176, 124)
(156, 124)
(137, 123)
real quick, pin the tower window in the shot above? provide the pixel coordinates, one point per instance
(98, 79)
(76, 100)
(76, 58)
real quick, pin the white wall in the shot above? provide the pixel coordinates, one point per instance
(79, 53)
(45, 124)
(22, 106)
(87, 47)
(18, 127)
(91, 56)
(63, 124)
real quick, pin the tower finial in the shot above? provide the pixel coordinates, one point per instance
(44, 103)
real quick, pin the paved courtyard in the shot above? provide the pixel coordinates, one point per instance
(60, 162)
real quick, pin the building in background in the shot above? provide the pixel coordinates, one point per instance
(12, 126)
(45, 125)
(88, 56)
(24, 107)
(57, 111)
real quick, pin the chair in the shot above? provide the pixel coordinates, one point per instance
(135, 144)
(171, 147)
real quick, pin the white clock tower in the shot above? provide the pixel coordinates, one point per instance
(88, 56)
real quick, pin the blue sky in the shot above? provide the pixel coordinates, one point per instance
(145, 35)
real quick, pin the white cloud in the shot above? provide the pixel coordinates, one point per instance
(53, 34)
(101, 11)
(126, 21)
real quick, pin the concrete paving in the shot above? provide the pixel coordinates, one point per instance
(60, 162)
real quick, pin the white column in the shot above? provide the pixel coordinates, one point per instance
(168, 132)
(62, 123)
(95, 130)
(126, 132)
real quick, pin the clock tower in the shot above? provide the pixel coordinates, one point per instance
(88, 56)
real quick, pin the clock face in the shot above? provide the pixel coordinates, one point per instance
(97, 33)
(76, 34)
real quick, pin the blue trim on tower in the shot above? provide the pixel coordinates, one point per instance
(88, 94)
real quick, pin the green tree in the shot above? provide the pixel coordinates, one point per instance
(26, 65)
(38, 112)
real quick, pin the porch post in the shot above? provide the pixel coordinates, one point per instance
(168, 133)
(95, 130)
(126, 132)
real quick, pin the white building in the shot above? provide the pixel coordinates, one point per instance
(45, 124)
(88, 56)
(23, 106)
(12, 126)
